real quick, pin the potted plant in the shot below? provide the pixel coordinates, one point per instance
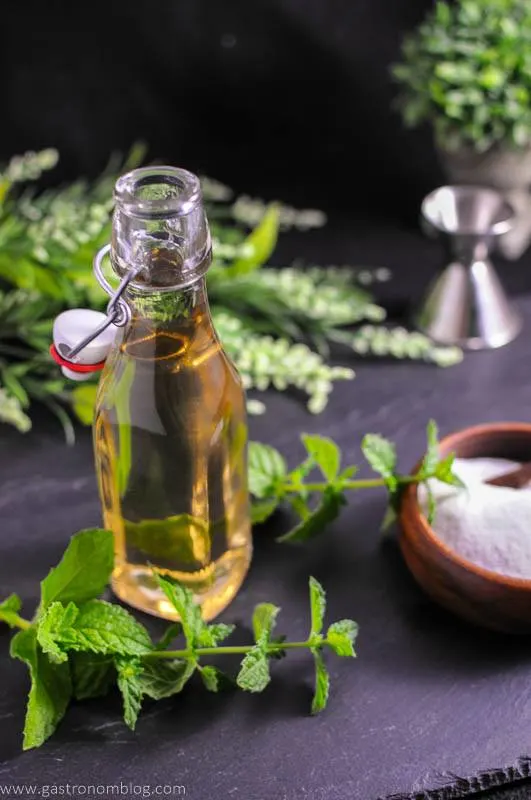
(467, 71)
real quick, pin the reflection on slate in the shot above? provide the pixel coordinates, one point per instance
(428, 698)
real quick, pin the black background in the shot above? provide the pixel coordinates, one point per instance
(284, 98)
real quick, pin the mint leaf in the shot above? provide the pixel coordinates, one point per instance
(213, 678)
(212, 635)
(254, 671)
(322, 683)
(325, 453)
(380, 453)
(92, 675)
(129, 682)
(301, 472)
(432, 505)
(9, 610)
(104, 628)
(161, 678)
(346, 474)
(341, 637)
(266, 468)
(50, 692)
(183, 602)
(261, 510)
(54, 624)
(444, 472)
(317, 605)
(431, 459)
(389, 519)
(171, 633)
(83, 571)
(317, 520)
(264, 618)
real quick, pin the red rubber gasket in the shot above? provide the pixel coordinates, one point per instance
(74, 367)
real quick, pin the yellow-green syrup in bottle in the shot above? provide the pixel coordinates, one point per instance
(170, 431)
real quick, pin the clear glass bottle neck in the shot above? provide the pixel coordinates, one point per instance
(160, 229)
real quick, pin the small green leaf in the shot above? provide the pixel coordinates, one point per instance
(325, 453)
(261, 510)
(380, 453)
(213, 678)
(317, 605)
(432, 504)
(389, 519)
(264, 618)
(322, 683)
(171, 633)
(9, 610)
(341, 636)
(83, 571)
(254, 671)
(212, 635)
(348, 473)
(266, 467)
(50, 692)
(183, 602)
(259, 244)
(53, 624)
(105, 628)
(161, 678)
(431, 459)
(92, 675)
(444, 472)
(130, 685)
(297, 475)
(315, 523)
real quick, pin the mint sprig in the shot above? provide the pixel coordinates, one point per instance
(79, 646)
(317, 503)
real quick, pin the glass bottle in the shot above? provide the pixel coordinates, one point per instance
(170, 430)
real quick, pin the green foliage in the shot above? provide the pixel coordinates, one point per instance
(467, 70)
(277, 325)
(83, 571)
(317, 503)
(79, 646)
(9, 610)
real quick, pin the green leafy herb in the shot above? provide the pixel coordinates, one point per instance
(80, 647)
(322, 683)
(276, 324)
(318, 503)
(9, 610)
(50, 692)
(266, 469)
(466, 69)
(130, 685)
(84, 570)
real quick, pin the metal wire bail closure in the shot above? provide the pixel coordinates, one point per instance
(74, 360)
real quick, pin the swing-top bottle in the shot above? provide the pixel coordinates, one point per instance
(170, 429)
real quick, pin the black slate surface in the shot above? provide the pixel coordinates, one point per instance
(428, 697)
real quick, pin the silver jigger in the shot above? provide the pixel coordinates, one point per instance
(467, 305)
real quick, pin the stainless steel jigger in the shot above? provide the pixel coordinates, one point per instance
(467, 305)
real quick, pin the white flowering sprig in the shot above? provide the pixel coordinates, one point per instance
(264, 362)
(397, 342)
(277, 325)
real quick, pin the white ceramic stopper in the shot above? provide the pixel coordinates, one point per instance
(70, 328)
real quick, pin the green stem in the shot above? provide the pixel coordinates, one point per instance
(226, 651)
(370, 483)
(19, 622)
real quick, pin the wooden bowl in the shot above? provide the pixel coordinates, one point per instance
(474, 593)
